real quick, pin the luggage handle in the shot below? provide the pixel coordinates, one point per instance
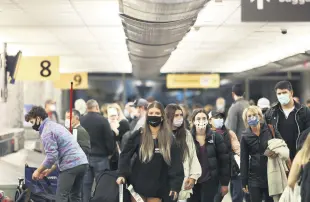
(121, 193)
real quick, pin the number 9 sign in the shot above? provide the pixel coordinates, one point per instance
(77, 80)
(80, 81)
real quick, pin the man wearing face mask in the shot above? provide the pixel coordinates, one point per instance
(288, 117)
(50, 109)
(79, 132)
(62, 150)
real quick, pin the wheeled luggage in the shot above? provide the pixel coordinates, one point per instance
(107, 190)
(29, 190)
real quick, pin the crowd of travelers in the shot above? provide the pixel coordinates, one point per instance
(167, 153)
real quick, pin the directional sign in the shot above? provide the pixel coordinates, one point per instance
(39, 68)
(193, 81)
(80, 81)
(275, 10)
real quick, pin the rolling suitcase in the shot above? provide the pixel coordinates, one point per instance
(107, 190)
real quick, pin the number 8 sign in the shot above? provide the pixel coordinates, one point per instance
(38, 68)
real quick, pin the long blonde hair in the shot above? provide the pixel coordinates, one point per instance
(164, 137)
(121, 115)
(305, 151)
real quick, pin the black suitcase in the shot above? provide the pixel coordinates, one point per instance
(108, 191)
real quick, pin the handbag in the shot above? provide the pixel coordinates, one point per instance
(288, 161)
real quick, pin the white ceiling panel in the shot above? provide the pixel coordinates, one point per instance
(96, 13)
(54, 49)
(26, 35)
(45, 6)
(73, 34)
(15, 18)
(58, 19)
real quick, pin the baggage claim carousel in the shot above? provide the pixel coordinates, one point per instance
(16, 149)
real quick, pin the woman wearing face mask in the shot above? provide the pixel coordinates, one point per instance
(119, 126)
(157, 172)
(213, 157)
(217, 120)
(184, 139)
(254, 142)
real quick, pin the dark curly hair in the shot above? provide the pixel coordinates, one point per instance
(36, 111)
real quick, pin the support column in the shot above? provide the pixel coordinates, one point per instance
(305, 86)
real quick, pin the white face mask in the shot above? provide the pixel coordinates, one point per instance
(200, 125)
(52, 107)
(177, 122)
(67, 123)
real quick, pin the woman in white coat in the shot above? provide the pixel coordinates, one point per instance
(184, 139)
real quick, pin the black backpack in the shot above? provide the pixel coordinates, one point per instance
(305, 183)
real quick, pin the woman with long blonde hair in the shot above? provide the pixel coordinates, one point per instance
(157, 172)
(119, 125)
(301, 164)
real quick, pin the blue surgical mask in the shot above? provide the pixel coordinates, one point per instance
(218, 123)
(253, 121)
(284, 99)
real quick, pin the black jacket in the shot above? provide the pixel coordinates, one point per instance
(122, 129)
(155, 178)
(218, 156)
(101, 137)
(253, 161)
(302, 119)
(83, 139)
(234, 168)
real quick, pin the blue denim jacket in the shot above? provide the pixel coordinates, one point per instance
(60, 146)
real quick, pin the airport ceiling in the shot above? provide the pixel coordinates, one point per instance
(88, 35)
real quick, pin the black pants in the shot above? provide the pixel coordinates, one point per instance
(205, 192)
(70, 183)
(258, 194)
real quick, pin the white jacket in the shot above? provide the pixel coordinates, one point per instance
(277, 168)
(191, 165)
(290, 195)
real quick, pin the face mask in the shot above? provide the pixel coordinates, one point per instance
(67, 123)
(154, 120)
(284, 99)
(177, 122)
(126, 113)
(201, 124)
(218, 123)
(253, 121)
(36, 126)
(53, 108)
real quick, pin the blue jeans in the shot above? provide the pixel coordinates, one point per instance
(96, 166)
(236, 189)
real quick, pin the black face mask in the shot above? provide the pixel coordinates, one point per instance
(36, 126)
(154, 120)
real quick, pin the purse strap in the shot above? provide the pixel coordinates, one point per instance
(272, 130)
